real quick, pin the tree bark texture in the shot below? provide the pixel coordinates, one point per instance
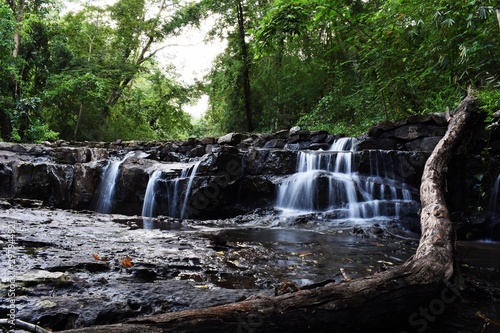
(246, 69)
(388, 298)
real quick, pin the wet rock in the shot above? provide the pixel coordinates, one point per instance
(209, 149)
(420, 119)
(197, 151)
(294, 138)
(229, 150)
(292, 146)
(173, 269)
(5, 180)
(208, 141)
(283, 134)
(319, 137)
(230, 139)
(275, 143)
(440, 118)
(294, 130)
(219, 238)
(423, 144)
(31, 181)
(317, 146)
(263, 162)
(380, 129)
(131, 186)
(411, 132)
(261, 139)
(35, 277)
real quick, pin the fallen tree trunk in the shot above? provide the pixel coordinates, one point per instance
(411, 295)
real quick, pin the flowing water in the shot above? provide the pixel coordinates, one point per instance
(328, 181)
(148, 208)
(188, 189)
(170, 192)
(106, 191)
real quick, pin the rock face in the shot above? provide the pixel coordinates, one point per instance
(237, 172)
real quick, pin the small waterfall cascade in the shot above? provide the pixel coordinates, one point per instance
(106, 190)
(326, 181)
(193, 172)
(148, 207)
(171, 194)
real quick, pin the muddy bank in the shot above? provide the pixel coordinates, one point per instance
(76, 269)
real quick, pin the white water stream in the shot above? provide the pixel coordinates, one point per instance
(327, 181)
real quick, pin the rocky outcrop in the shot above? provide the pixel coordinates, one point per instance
(238, 172)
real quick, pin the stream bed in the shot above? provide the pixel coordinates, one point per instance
(80, 268)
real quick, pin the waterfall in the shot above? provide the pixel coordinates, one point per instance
(188, 189)
(148, 207)
(106, 190)
(327, 181)
(170, 196)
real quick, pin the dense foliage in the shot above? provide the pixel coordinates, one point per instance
(338, 65)
(342, 65)
(90, 74)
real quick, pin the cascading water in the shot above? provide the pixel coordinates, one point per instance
(171, 192)
(188, 189)
(326, 181)
(106, 190)
(148, 207)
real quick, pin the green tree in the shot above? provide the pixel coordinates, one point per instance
(28, 70)
(342, 65)
(230, 87)
(7, 28)
(82, 75)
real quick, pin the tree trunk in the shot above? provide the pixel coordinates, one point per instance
(17, 8)
(246, 69)
(410, 295)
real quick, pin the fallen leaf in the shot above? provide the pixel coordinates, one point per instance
(127, 262)
(96, 256)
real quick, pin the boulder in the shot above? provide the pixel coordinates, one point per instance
(208, 141)
(319, 137)
(295, 130)
(318, 146)
(283, 134)
(423, 144)
(197, 151)
(230, 139)
(409, 132)
(294, 138)
(270, 162)
(275, 143)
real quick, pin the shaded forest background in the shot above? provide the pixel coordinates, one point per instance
(337, 65)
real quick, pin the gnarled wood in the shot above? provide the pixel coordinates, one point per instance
(364, 303)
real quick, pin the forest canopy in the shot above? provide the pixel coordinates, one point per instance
(337, 65)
